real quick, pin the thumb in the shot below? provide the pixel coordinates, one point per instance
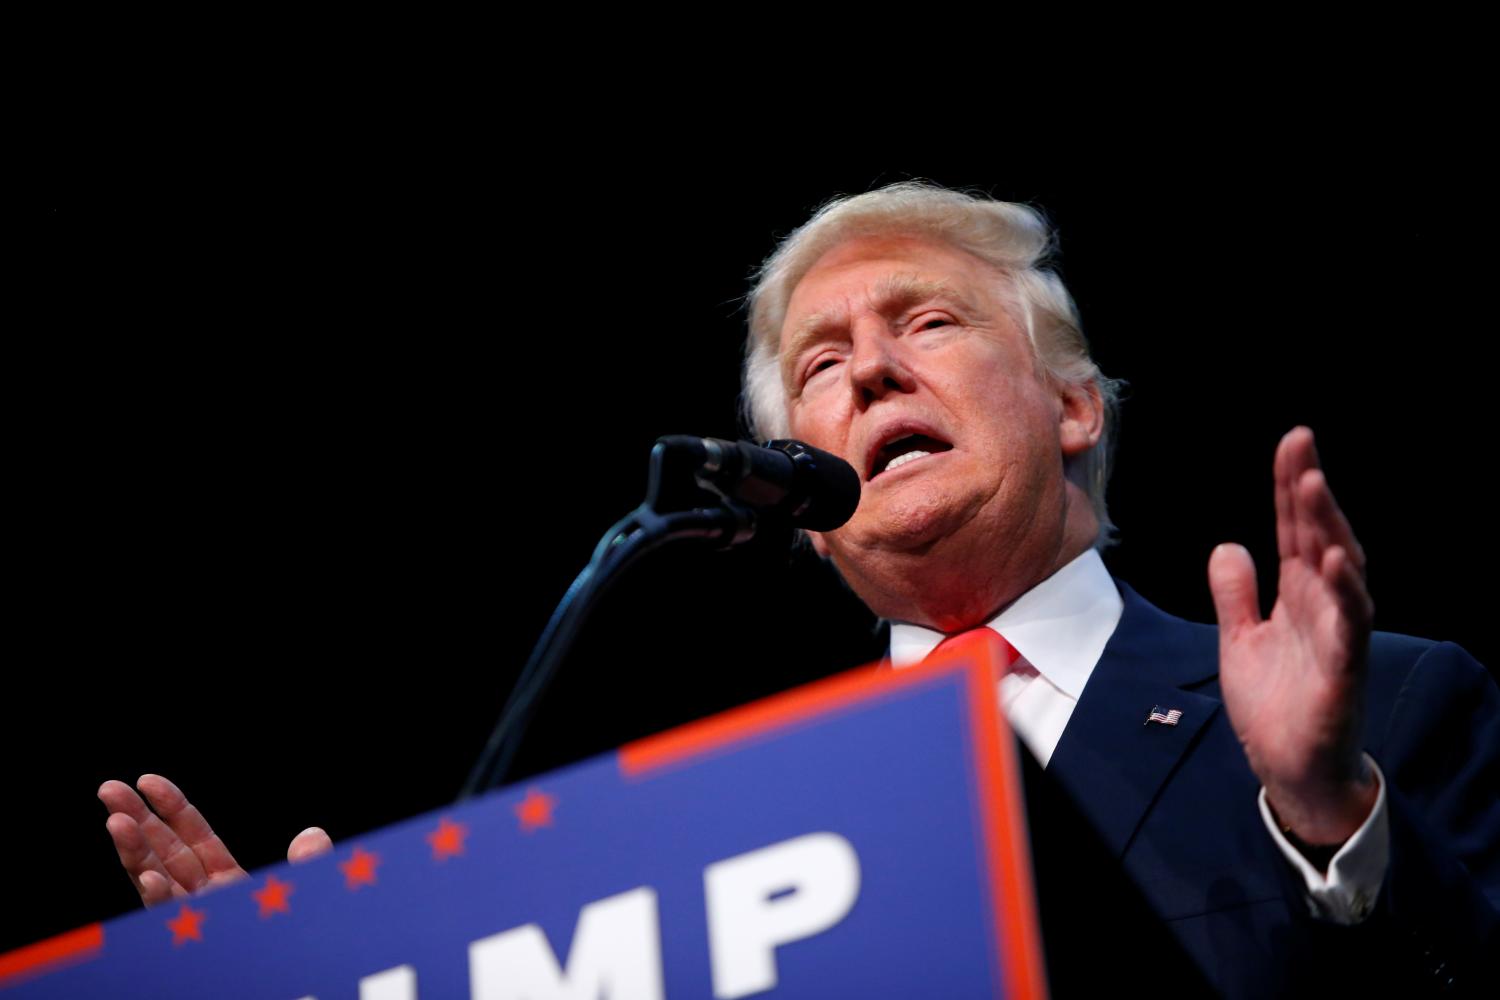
(309, 844)
(1231, 578)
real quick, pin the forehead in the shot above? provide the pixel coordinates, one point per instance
(886, 273)
(865, 267)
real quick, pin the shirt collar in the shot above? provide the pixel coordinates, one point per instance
(1060, 626)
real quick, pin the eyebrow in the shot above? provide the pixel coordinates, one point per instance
(894, 294)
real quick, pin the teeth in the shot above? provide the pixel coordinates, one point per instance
(901, 460)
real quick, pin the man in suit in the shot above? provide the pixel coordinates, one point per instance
(1298, 805)
(915, 332)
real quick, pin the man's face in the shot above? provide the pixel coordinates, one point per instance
(898, 355)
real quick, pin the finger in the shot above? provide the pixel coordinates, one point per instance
(203, 853)
(1302, 469)
(189, 825)
(1311, 541)
(179, 863)
(145, 869)
(157, 888)
(1347, 581)
(1295, 454)
(1285, 469)
(309, 844)
(1231, 579)
(119, 797)
(1332, 526)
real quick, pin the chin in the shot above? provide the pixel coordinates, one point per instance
(907, 527)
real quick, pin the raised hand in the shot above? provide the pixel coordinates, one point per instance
(172, 851)
(1293, 683)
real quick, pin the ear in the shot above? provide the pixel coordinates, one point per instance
(1081, 420)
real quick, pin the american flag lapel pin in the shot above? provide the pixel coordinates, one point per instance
(1167, 718)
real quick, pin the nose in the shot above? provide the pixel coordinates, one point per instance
(876, 364)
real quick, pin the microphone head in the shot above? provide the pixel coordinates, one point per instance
(826, 487)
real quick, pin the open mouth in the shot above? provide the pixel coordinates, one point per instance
(907, 448)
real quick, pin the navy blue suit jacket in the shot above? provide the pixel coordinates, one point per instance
(1176, 806)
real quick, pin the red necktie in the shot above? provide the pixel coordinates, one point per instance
(1007, 657)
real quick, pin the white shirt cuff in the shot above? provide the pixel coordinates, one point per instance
(1346, 894)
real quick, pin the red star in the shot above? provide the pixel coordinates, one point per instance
(360, 869)
(186, 925)
(272, 898)
(448, 839)
(535, 810)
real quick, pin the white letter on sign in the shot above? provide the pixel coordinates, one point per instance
(814, 879)
(399, 983)
(616, 953)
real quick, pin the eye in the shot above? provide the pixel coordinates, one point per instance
(934, 322)
(822, 364)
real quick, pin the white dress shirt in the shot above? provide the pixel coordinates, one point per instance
(1060, 628)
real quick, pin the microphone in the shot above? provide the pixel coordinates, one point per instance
(810, 487)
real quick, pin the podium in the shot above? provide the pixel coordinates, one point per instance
(860, 836)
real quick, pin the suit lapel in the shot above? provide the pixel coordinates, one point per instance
(1110, 759)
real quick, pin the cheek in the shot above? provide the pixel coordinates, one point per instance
(1017, 408)
(1017, 439)
(820, 426)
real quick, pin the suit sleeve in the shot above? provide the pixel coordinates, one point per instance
(1439, 746)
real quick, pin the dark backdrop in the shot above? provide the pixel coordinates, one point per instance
(317, 432)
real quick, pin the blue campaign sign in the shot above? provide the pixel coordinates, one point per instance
(856, 837)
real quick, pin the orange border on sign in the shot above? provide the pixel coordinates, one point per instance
(53, 953)
(1005, 836)
(997, 774)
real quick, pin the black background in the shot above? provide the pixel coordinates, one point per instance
(318, 429)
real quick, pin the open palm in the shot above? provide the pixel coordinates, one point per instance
(1293, 683)
(168, 849)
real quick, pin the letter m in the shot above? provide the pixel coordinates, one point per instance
(616, 953)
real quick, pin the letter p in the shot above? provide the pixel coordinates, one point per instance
(770, 897)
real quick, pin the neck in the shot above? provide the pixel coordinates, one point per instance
(953, 585)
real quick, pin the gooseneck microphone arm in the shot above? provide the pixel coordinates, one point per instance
(701, 490)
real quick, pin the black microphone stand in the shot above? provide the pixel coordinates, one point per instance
(679, 507)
